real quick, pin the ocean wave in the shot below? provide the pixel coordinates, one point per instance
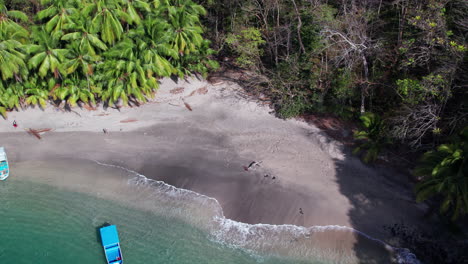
(329, 243)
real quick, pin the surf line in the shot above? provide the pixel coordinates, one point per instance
(141, 177)
(404, 255)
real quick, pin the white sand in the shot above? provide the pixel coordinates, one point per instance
(204, 150)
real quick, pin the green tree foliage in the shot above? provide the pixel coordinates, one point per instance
(106, 19)
(47, 56)
(12, 36)
(444, 173)
(105, 50)
(373, 138)
(72, 91)
(246, 44)
(58, 14)
(125, 74)
(406, 59)
(80, 33)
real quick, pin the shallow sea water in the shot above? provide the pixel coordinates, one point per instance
(40, 223)
(53, 216)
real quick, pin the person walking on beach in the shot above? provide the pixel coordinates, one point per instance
(14, 124)
(300, 211)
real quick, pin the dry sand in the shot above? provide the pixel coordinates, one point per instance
(205, 149)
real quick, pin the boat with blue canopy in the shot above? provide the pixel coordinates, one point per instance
(4, 168)
(110, 242)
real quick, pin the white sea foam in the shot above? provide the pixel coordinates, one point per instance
(283, 240)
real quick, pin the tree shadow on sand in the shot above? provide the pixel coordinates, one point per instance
(381, 200)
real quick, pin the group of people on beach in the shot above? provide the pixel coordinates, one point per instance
(254, 164)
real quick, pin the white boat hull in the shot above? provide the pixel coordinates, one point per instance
(4, 168)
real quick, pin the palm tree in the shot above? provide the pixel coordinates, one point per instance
(88, 41)
(125, 75)
(10, 28)
(3, 110)
(79, 58)
(185, 25)
(60, 14)
(37, 96)
(155, 47)
(133, 8)
(12, 96)
(46, 55)
(107, 16)
(12, 37)
(73, 91)
(12, 59)
(445, 173)
(373, 138)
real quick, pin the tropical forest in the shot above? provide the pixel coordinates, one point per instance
(396, 69)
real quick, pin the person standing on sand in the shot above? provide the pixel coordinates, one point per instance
(14, 124)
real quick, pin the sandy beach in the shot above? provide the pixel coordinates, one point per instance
(303, 177)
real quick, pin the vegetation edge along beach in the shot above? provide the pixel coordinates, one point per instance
(396, 71)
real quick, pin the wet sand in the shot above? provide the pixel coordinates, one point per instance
(205, 150)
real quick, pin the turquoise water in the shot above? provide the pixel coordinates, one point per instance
(53, 214)
(40, 223)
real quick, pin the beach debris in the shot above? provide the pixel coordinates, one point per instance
(192, 93)
(187, 105)
(215, 80)
(202, 90)
(252, 165)
(89, 107)
(73, 111)
(129, 120)
(177, 90)
(42, 130)
(274, 177)
(102, 114)
(266, 175)
(36, 132)
(15, 125)
(217, 83)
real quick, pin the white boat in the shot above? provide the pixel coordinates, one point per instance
(4, 169)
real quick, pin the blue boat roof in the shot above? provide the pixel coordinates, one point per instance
(109, 235)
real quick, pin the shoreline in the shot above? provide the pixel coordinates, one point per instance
(204, 150)
(321, 243)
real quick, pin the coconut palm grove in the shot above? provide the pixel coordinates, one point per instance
(84, 51)
(396, 70)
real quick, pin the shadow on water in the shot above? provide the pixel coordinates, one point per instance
(98, 232)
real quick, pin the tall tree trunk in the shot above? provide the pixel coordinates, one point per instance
(401, 25)
(299, 25)
(366, 83)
